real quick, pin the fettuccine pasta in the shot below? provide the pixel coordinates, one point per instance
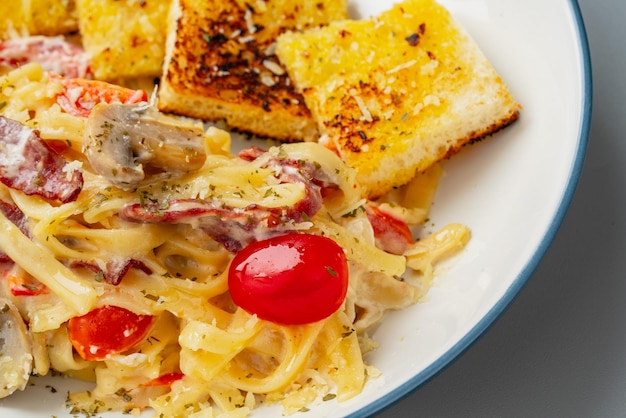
(144, 249)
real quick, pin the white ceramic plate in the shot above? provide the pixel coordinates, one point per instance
(511, 190)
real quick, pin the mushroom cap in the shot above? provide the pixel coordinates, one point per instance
(16, 359)
(120, 139)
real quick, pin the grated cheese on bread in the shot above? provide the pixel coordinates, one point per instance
(220, 64)
(124, 39)
(37, 17)
(399, 92)
(53, 17)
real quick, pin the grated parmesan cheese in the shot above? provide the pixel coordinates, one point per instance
(246, 39)
(132, 359)
(400, 67)
(249, 22)
(261, 6)
(431, 100)
(273, 67)
(429, 68)
(366, 115)
(270, 50)
(72, 166)
(267, 79)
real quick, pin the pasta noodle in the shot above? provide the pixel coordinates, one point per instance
(202, 354)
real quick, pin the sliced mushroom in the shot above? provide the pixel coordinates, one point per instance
(120, 139)
(16, 359)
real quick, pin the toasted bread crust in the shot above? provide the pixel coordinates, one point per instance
(220, 65)
(397, 93)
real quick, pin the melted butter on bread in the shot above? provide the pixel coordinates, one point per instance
(37, 17)
(398, 92)
(125, 39)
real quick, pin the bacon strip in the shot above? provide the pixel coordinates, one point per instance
(15, 215)
(392, 234)
(115, 270)
(235, 228)
(232, 227)
(53, 53)
(28, 164)
(290, 171)
(251, 153)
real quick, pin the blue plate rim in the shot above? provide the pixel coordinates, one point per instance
(520, 281)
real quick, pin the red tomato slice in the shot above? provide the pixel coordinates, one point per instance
(290, 279)
(26, 286)
(392, 234)
(80, 95)
(107, 330)
(165, 380)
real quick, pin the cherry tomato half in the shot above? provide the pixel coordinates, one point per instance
(107, 330)
(26, 286)
(290, 279)
(80, 95)
(165, 380)
(392, 234)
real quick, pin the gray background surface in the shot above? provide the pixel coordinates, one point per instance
(559, 350)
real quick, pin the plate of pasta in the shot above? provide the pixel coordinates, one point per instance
(272, 208)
